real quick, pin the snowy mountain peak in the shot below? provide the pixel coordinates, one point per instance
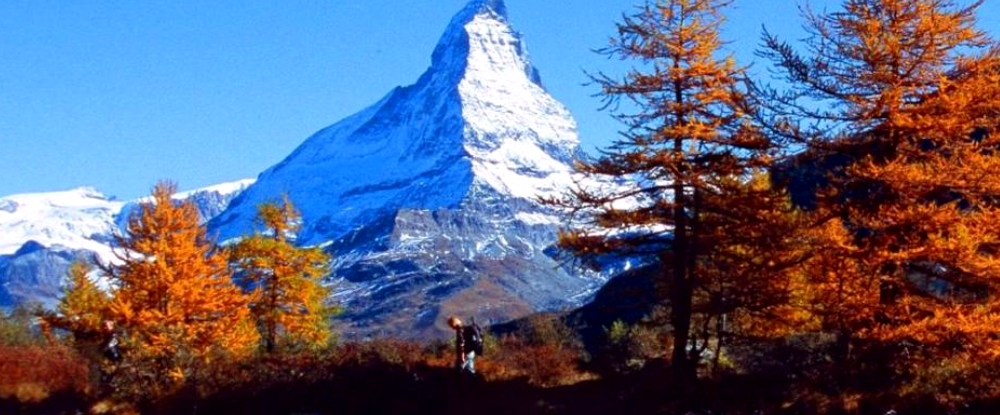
(226, 189)
(497, 6)
(42, 234)
(80, 195)
(494, 8)
(84, 218)
(480, 34)
(427, 199)
(77, 218)
(478, 120)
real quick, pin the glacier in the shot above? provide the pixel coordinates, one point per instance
(42, 234)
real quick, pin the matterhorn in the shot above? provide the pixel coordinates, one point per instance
(428, 199)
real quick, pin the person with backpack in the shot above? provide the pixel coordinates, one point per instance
(109, 346)
(468, 344)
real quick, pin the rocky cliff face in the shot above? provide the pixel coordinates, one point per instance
(427, 199)
(36, 274)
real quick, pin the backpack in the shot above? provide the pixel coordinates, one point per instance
(110, 349)
(474, 338)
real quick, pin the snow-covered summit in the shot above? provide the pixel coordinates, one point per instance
(477, 121)
(451, 52)
(85, 219)
(428, 199)
(231, 188)
(42, 234)
(79, 219)
(209, 201)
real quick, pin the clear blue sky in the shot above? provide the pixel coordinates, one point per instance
(118, 94)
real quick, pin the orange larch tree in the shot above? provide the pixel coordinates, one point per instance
(905, 93)
(173, 293)
(83, 309)
(755, 250)
(681, 183)
(288, 299)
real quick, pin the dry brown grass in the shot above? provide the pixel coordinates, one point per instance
(544, 364)
(33, 373)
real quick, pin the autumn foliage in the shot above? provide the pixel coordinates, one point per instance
(173, 291)
(701, 201)
(83, 310)
(288, 301)
(907, 91)
(877, 290)
(897, 252)
(172, 308)
(34, 373)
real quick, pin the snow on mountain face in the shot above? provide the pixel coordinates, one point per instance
(208, 201)
(427, 199)
(42, 234)
(478, 117)
(78, 219)
(85, 219)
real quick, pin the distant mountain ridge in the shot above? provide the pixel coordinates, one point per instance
(428, 198)
(42, 234)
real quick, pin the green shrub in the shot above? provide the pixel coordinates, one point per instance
(17, 328)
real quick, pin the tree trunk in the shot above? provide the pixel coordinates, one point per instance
(680, 318)
(272, 325)
(681, 290)
(720, 333)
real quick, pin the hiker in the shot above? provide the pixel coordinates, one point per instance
(109, 346)
(468, 345)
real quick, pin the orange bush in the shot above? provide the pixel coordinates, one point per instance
(406, 354)
(32, 374)
(542, 364)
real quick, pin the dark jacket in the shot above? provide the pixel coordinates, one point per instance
(460, 349)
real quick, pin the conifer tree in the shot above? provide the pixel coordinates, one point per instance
(84, 307)
(690, 152)
(174, 296)
(288, 297)
(83, 311)
(754, 251)
(905, 95)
